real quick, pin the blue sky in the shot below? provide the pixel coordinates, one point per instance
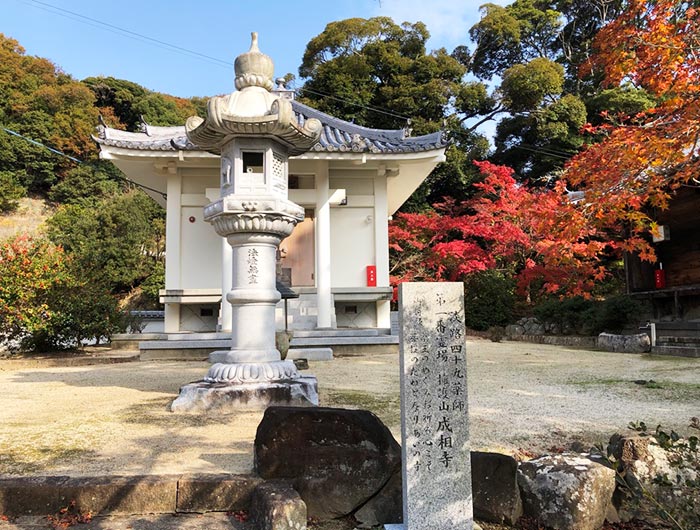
(215, 28)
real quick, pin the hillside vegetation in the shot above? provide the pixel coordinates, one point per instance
(77, 237)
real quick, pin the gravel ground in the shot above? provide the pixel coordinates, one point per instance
(524, 399)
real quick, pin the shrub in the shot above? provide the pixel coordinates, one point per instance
(569, 313)
(589, 317)
(44, 304)
(80, 312)
(489, 299)
(614, 313)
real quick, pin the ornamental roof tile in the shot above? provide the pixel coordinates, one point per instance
(337, 136)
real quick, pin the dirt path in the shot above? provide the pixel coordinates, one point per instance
(112, 419)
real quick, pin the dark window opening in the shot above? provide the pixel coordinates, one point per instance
(253, 162)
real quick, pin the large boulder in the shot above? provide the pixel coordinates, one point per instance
(638, 343)
(337, 459)
(566, 492)
(495, 488)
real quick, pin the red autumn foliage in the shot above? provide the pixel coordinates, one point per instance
(538, 236)
(654, 45)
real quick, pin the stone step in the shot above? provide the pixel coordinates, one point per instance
(333, 341)
(221, 344)
(126, 495)
(678, 325)
(677, 340)
(340, 332)
(310, 354)
(677, 351)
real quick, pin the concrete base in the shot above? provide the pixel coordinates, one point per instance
(310, 354)
(220, 397)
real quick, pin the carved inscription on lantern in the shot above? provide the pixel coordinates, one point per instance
(252, 264)
(437, 472)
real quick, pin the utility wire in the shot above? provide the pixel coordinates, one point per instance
(374, 109)
(72, 15)
(56, 151)
(128, 33)
(78, 161)
(555, 154)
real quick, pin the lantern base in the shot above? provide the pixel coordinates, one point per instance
(202, 396)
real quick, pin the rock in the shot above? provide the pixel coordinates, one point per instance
(282, 340)
(301, 364)
(567, 492)
(637, 458)
(639, 343)
(553, 328)
(533, 326)
(276, 506)
(649, 469)
(514, 330)
(336, 458)
(495, 488)
(385, 508)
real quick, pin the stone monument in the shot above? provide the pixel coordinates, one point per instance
(255, 132)
(437, 487)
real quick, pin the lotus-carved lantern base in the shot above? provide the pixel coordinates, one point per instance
(209, 397)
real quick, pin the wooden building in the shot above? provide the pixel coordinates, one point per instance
(672, 284)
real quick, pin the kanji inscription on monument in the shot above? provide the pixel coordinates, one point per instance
(434, 421)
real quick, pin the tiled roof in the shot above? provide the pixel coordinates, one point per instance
(337, 136)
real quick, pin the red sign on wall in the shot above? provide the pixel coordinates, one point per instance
(371, 275)
(660, 279)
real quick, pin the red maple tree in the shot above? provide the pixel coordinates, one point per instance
(643, 159)
(538, 236)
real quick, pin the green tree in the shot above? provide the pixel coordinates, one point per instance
(536, 49)
(131, 103)
(618, 104)
(515, 34)
(377, 73)
(110, 239)
(10, 192)
(86, 183)
(359, 63)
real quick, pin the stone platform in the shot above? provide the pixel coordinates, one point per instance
(202, 396)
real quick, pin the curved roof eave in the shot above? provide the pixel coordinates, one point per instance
(338, 136)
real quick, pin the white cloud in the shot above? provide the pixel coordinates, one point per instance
(447, 20)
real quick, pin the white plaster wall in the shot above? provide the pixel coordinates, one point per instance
(356, 314)
(201, 246)
(191, 318)
(352, 245)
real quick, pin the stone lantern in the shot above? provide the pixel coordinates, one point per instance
(255, 132)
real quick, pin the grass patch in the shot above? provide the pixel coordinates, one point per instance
(385, 406)
(668, 390)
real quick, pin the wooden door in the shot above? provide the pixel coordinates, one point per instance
(298, 254)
